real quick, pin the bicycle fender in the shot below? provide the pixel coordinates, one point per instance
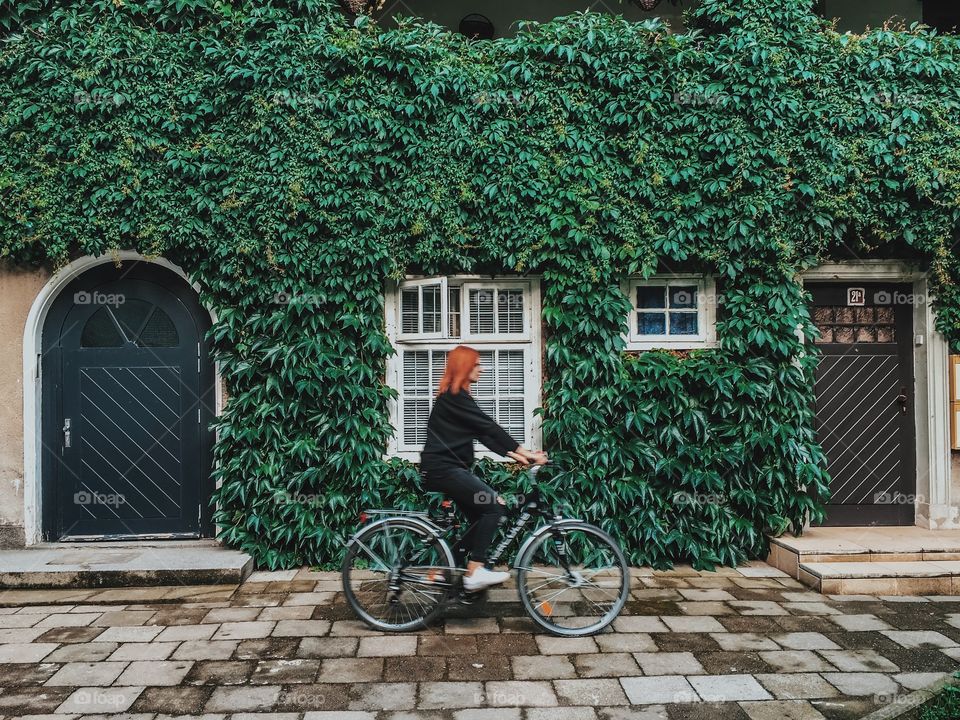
(429, 527)
(538, 533)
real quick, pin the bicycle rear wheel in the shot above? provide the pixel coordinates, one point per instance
(397, 574)
(573, 579)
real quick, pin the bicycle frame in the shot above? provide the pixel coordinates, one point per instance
(531, 508)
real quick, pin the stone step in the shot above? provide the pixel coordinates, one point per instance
(871, 560)
(922, 577)
(98, 565)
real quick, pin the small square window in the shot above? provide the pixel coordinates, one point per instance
(651, 296)
(683, 297)
(652, 323)
(669, 313)
(683, 323)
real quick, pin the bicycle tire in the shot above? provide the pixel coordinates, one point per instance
(363, 542)
(524, 565)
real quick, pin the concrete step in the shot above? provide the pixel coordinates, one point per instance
(871, 560)
(922, 577)
(123, 564)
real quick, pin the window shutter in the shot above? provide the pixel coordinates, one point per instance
(499, 391)
(481, 311)
(510, 369)
(494, 311)
(410, 311)
(422, 304)
(416, 396)
(510, 311)
(431, 308)
(422, 370)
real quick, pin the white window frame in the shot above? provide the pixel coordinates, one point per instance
(706, 314)
(419, 285)
(497, 287)
(529, 342)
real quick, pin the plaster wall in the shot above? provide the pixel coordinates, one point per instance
(18, 289)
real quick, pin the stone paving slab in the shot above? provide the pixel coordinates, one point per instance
(746, 644)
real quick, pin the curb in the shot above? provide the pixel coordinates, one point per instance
(912, 701)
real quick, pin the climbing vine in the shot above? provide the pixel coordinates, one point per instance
(277, 150)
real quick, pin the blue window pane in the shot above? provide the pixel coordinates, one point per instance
(683, 323)
(683, 297)
(649, 323)
(651, 296)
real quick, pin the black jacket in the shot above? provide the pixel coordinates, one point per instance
(455, 422)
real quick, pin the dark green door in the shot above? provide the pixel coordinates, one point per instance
(129, 395)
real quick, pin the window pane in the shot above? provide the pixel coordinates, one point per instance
(510, 311)
(431, 308)
(415, 415)
(453, 310)
(100, 331)
(510, 370)
(438, 365)
(649, 323)
(159, 331)
(131, 315)
(683, 323)
(416, 373)
(410, 310)
(651, 296)
(683, 297)
(486, 385)
(481, 305)
(511, 418)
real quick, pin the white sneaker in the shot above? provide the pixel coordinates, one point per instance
(483, 578)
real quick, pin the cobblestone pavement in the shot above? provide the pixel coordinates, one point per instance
(744, 643)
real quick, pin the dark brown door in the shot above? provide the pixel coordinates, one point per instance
(943, 15)
(864, 401)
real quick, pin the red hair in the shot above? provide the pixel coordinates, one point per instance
(456, 375)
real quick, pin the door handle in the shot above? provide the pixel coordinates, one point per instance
(66, 433)
(902, 399)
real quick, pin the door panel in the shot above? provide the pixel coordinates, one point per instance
(128, 399)
(864, 401)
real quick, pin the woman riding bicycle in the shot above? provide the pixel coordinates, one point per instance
(455, 422)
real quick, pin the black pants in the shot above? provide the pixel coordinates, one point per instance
(476, 500)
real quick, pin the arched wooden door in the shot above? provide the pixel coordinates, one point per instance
(128, 396)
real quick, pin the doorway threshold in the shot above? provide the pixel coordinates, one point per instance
(123, 563)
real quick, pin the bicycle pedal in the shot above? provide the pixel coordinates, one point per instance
(465, 597)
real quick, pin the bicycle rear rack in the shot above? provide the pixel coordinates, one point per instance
(398, 513)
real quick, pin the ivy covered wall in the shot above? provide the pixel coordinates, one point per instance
(273, 148)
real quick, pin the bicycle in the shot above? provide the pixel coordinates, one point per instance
(399, 571)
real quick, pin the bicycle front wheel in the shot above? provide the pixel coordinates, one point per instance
(397, 574)
(573, 579)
